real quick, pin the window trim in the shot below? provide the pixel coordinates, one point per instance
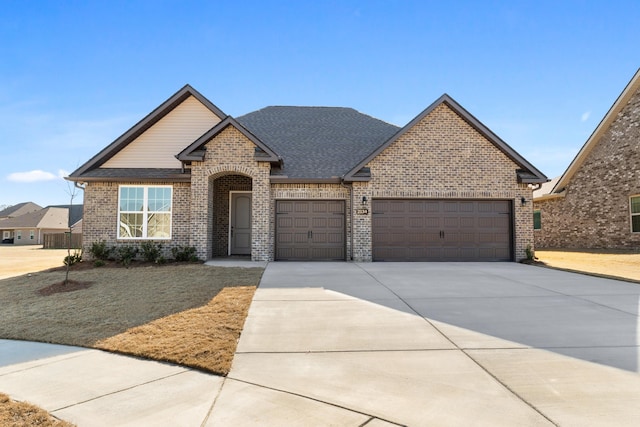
(32, 234)
(19, 235)
(144, 213)
(632, 214)
(539, 212)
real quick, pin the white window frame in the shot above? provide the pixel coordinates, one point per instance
(32, 234)
(19, 235)
(145, 213)
(6, 234)
(632, 214)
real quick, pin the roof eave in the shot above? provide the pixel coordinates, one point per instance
(281, 179)
(144, 124)
(620, 102)
(471, 120)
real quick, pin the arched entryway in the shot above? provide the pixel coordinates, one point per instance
(230, 215)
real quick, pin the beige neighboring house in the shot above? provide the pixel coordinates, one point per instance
(595, 204)
(311, 183)
(19, 209)
(29, 228)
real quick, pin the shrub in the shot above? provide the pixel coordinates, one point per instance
(100, 250)
(76, 257)
(98, 263)
(126, 254)
(184, 253)
(530, 253)
(151, 252)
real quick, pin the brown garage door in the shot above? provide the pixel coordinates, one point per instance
(442, 230)
(310, 230)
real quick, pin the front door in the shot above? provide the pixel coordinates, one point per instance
(240, 224)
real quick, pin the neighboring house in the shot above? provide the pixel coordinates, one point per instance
(596, 202)
(19, 209)
(75, 216)
(311, 183)
(29, 229)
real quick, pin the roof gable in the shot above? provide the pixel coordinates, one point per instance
(196, 152)
(145, 124)
(527, 174)
(49, 217)
(623, 99)
(19, 209)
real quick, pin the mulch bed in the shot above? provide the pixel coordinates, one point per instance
(70, 286)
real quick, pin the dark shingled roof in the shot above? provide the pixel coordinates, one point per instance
(317, 142)
(129, 174)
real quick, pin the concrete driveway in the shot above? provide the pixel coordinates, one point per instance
(434, 344)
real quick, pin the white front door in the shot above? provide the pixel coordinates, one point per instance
(240, 224)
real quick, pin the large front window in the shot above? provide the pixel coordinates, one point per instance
(144, 212)
(635, 214)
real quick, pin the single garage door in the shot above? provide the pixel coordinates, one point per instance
(310, 230)
(442, 230)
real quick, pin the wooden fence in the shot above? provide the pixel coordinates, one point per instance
(59, 240)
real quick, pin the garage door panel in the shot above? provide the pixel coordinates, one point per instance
(310, 230)
(462, 230)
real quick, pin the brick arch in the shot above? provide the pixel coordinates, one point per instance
(221, 170)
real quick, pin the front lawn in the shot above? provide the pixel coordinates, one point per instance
(177, 308)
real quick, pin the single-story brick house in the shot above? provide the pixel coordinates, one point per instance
(595, 204)
(311, 183)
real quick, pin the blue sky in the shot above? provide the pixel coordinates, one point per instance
(74, 75)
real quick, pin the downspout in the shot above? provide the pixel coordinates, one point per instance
(350, 188)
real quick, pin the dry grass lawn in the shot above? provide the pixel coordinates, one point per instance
(203, 338)
(20, 414)
(18, 260)
(619, 264)
(189, 314)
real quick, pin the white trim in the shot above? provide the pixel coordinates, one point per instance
(229, 225)
(144, 225)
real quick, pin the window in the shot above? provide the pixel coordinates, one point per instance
(144, 212)
(19, 235)
(537, 220)
(31, 235)
(635, 214)
(6, 234)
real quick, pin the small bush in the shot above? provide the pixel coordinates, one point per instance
(98, 263)
(75, 258)
(126, 254)
(184, 253)
(100, 250)
(530, 253)
(151, 252)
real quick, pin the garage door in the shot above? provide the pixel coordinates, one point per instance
(441, 230)
(309, 230)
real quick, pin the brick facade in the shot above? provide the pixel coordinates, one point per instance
(594, 212)
(443, 157)
(100, 217)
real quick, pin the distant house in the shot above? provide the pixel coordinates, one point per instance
(19, 209)
(311, 183)
(596, 202)
(29, 228)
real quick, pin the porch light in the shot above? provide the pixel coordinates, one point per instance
(364, 200)
(523, 201)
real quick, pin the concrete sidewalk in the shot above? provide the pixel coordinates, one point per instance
(96, 388)
(377, 344)
(434, 344)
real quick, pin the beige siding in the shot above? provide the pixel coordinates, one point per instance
(157, 147)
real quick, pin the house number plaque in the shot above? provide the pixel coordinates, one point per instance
(362, 211)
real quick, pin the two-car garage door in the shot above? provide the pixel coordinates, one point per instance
(441, 230)
(402, 230)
